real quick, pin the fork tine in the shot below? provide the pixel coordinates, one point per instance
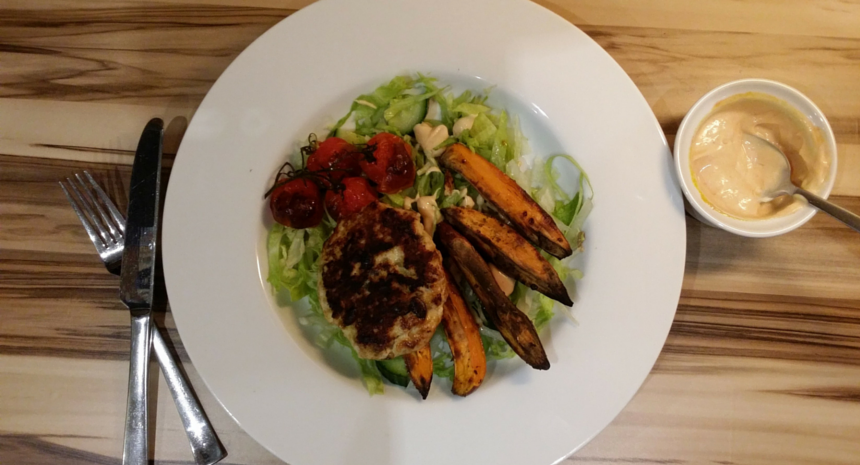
(106, 239)
(115, 235)
(94, 238)
(114, 212)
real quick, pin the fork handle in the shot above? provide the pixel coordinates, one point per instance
(204, 442)
(136, 444)
(850, 219)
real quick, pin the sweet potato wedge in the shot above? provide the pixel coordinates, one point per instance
(420, 367)
(508, 251)
(525, 214)
(464, 338)
(514, 325)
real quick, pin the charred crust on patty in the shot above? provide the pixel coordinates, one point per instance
(382, 281)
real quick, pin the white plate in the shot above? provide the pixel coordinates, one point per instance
(572, 97)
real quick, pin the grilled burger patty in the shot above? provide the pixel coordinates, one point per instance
(382, 281)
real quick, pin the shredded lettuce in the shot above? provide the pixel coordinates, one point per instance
(490, 137)
(499, 152)
(443, 361)
(386, 108)
(456, 198)
(369, 372)
(467, 108)
(429, 183)
(482, 132)
(494, 346)
(294, 267)
(537, 306)
(293, 258)
(569, 213)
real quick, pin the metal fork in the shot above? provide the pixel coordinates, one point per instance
(106, 227)
(108, 235)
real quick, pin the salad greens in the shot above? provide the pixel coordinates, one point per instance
(396, 107)
(294, 269)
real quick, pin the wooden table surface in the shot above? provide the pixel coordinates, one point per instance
(762, 364)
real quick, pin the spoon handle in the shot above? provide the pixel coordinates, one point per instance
(841, 214)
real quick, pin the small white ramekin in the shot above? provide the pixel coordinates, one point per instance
(703, 211)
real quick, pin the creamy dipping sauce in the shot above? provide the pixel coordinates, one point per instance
(733, 174)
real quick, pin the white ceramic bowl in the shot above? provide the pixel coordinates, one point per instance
(708, 214)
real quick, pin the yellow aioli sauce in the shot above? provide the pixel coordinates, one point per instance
(732, 174)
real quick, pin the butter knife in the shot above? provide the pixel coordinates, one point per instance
(137, 281)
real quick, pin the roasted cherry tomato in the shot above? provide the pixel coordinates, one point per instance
(356, 194)
(391, 166)
(297, 203)
(337, 154)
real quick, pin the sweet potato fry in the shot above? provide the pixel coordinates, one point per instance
(514, 325)
(420, 367)
(508, 251)
(525, 214)
(464, 338)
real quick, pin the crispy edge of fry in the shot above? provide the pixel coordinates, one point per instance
(509, 251)
(513, 324)
(464, 338)
(419, 364)
(529, 218)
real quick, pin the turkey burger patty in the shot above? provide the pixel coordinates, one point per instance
(382, 281)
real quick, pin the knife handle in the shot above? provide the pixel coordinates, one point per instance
(204, 442)
(136, 445)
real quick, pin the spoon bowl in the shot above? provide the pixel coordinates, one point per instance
(785, 186)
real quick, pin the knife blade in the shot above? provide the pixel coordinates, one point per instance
(137, 282)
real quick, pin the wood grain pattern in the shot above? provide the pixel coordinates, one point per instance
(762, 364)
(144, 52)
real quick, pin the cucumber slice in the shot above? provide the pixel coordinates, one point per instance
(405, 117)
(394, 370)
